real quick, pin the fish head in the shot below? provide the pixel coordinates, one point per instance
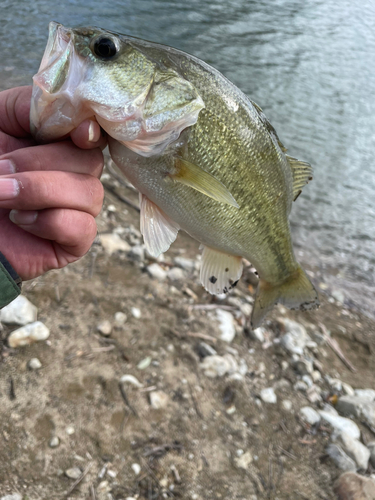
(90, 72)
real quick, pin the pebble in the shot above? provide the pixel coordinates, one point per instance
(137, 253)
(184, 263)
(309, 415)
(104, 327)
(360, 407)
(258, 334)
(352, 486)
(70, 430)
(156, 272)
(354, 449)
(341, 424)
(120, 318)
(112, 243)
(338, 296)
(15, 496)
(54, 442)
(130, 379)
(308, 381)
(287, 405)
(158, 400)
(205, 350)
(348, 389)
(243, 461)
(296, 337)
(300, 386)
(144, 363)
(246, 311)
(176, 274)
(136, 312)
(226, 325)
(313, 394)
(215, 366)
(304, 366)
(19, 312)
(73, 473)
(34, 364)
(316, 376)
(28, 334)
(136, 468)
(340, 458)
(268, 395)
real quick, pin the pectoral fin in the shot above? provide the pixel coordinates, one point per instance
(158, 230)
(220, 271)
(302, 175)
(194, 176)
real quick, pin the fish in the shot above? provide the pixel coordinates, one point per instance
(202, 155)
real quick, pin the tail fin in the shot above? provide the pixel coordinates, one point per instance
(296, 292)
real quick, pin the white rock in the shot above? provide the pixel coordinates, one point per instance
(258, 334)
(144, 363)
(120, 318)
(156, 272)
(287, 404)
(73, 473)
(70, 430)
(34, 364)
(362, 408)
(243, 461)
(28, 334)
(365, 393)
(19, 312)
(354, 449)
(130, 379)
(176, 274)
(300, 386)
(246, 309)
(268, 395)
(158, 400)
(113, 243)
(316, 375)
(338, 295)
(54, 442)
(187, 264)
(15, 496)
(215, 366)
(340, 458)
(295, 338)
(226, 325)
(348, 389)
(137, 253)
(104, 327)
(309, 415)
(341, 424)
(308, 380)
(136, 312)
(136, 468)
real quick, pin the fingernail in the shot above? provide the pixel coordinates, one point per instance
(7, 167)
(9, 188)
(94, 136)
(23, 217)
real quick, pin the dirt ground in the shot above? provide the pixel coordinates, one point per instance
(188, 449)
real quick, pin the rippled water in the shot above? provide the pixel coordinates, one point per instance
(309, 65)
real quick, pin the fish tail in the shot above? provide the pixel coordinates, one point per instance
(296, 292)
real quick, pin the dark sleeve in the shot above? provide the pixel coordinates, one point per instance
(10, 282)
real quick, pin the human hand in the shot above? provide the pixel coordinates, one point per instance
(50, 194)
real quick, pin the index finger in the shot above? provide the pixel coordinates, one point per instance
(15, 111)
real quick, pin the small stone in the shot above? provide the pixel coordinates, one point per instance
(258, 334)
(268, 395)
(205, 350)
(334, 383)
(352, 486)
(28, 334)
(136, 468)
(348, 389)
(360, 407)
(136, 312)
(341, 424)
(284, 365)
(338, 296)
(70, 430)
(354, 449)
(156, 272)
(176, 274)
(19, 312)
(300, 386)
(130, 379)
(215, 366)
(184, 263)
(73, 473)
(15, 496)
(34, 364)
(226, 325)
(243, 461)
(316, 376)
(295, 338)
(111, 208)
(340, 458)
(287, 405)
(105, 328)
(112, 243)
(120, 318)
(313, 394)
(308, 381)
(144, 363)
(309, 415)
(304, 366)
(158, 400)
(54, 442)
(137, 253)
(246, 311)
(111, 473)
(365, 393)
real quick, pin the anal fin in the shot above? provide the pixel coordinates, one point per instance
(220, 271)
(159, 231)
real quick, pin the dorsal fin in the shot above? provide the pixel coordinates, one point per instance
(302, 174)
(268, 126)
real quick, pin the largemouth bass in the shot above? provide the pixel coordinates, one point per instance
(203, 156)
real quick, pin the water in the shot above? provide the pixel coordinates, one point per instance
(309, 65)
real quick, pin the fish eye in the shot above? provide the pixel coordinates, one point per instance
(104, 47)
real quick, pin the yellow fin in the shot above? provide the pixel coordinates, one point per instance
(296, 292)
(197, 178)
(302, 174)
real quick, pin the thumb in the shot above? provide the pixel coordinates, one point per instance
(15, 111)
